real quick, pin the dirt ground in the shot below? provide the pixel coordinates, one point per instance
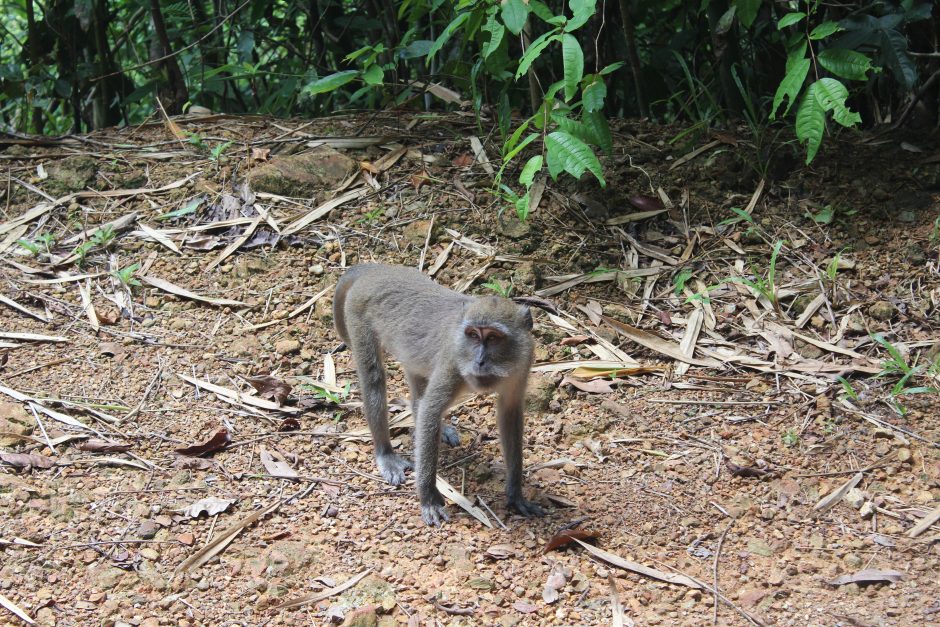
(754, 428)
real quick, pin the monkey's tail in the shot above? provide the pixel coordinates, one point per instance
(339, 304)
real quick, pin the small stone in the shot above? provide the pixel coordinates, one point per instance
(882, 310)
(148, 529)
(317, 269)
(904, 455)
(149, 554)
(185, 538)
(247, 346)
(362, 617)
(416, 233)
(853, 561)
(287, 347)
(867, 510)
(854, 498)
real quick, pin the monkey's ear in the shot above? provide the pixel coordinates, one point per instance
(535, 301)
(527, 318)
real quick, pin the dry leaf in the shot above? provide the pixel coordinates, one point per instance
(289, 424)
(276, 465)
(619, 562)
(217, 442)
(270, 387)
(448, 492)
(748, 472)
(463, 160)
(27, 460)
(594, 386)
(366, 166)
(869, 575)
(224, 538)
(15, 609)
(166, 286)
(323, 594)
(575, 340)
(500, 551)
(556, 581)
(210, 506)
(420, 179)
(541, 303)
(260, 154)
(567, 536)
(524, 607)
(95, 445)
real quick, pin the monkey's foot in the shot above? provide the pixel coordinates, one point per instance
(434, 514)
(526, 508)
(393, 468)
(449, 435)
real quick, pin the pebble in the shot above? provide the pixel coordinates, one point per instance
(287, 347)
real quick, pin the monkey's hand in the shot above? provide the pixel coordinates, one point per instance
(393, 468)
(526, 508)
(433, 510)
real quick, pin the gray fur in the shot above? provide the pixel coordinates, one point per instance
(429, 329)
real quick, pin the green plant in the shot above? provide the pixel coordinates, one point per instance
(126, 275)
(216, 152)
(823, 216)
(371, 216)
(790, 437)
(740, 215)
(847, 388)
(680, 279)
(42, 244)
(328, 395)
(499, 288)
(897, 365)
(764, 286)
(33, 248)
(103, 237)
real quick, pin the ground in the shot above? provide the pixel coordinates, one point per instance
(747, 385)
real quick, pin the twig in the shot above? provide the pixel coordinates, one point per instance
(721, 541)
(42, 428)
(143, 399)
(492, 513)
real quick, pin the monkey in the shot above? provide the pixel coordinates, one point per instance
(447, 343)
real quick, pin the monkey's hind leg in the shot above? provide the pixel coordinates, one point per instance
(375, 405)
(418, 385)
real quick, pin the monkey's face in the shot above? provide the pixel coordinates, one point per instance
(494, 340)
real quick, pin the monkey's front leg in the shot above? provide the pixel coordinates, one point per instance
(431, 409)
(510, 419)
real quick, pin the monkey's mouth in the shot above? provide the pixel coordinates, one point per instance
(483, 381)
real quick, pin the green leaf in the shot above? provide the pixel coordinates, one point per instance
(613, 67)
(573, 60)
(534, 50)
(790, 19)
(186, 209)
(824, 30)
(848, 64)
(569, 154)
(747, 11)
(525, 142)
(514, 138)
(374, 75)
(790, 86)
(532, 167)
(811, 122)
(894, 49)
(447, 33)
(331, 82)
(417, 48)
(596, 124)
(831, 94)
(583, 10)
(594, 94)
(541, 10)
(496, 31)
(515, 13)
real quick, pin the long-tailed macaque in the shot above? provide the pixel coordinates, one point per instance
(447, 343)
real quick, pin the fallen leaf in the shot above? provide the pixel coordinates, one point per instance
(746, 471)
(524, 606)
(646, 203)
(95, 445)
(368, 167)
(224, 538)
(215, 443)
(420, 179)
(270, 387)
(448, 492)
(166, 286)
(594, 386)
(324, 594)
(619, 562)
(575, 340)
(289, 424)
(276, 465)
(869, 575)
(260, 154)
(500, 551)
(464, 160)
(210, 505)
(567, 536)
(555, 582)
(27, 460)
(15, 609)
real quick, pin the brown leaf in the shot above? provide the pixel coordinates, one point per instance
(567, 536)
(420, 178)
(368, 167)
(27, 460)
(109, 315)
(260, 154)
(113, 349)
(289, 424)
(500, 551)
(575, 340)
(464, 160)
(869, 575)
(276, 465)
(270, 387)
(749, 472)
(95, 445)
(646, 203)
(215, 443)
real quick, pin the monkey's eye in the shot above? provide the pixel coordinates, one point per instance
(472, 333)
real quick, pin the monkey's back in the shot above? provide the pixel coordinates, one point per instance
(410, 316)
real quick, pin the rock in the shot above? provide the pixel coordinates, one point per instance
(759, 547)
(539, 392)
(867, 510)
(800, 303)
(287, 347)
(147, 530)
(244, 266)
(882, 310)
(415, 233)
(853, 561)
(528, 274)
(246, 346)
(14, 420)
(509, 225)
(362, 617)
(108, 577)
(70, 175)
(904, 455)
(854, 498)
(304, 174)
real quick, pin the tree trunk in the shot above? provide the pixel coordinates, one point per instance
(633, 56)
(173, 93)
(37, 122)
